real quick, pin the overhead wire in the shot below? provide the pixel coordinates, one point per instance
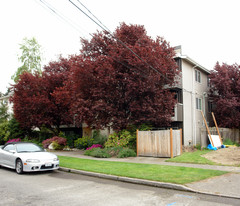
(102, 26)
(68, 21)
(61, 16)
(106, 29)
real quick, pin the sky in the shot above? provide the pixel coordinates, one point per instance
(207, 30)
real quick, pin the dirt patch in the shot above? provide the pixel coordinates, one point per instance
(225, 156)
(189, 149)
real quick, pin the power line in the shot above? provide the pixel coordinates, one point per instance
(102, 26)
(62, 17)
(68, 21)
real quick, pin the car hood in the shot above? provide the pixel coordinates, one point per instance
(36, 155)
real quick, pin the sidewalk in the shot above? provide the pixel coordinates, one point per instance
(227, 185)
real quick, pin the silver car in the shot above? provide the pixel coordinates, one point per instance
(27, 157)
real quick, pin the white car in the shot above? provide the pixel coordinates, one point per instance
(27, 157)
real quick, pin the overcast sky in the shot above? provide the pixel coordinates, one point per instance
(208, 30)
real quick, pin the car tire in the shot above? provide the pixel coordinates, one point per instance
(19, 166)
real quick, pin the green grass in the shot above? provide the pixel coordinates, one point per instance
(193, 157)
(172, 174)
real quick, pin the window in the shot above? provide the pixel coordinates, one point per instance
(9, 147)
(197, 76)
(198, 103)
(208, 81)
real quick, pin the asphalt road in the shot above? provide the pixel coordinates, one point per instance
(61, 188)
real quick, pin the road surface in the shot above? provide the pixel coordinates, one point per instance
(67, 189)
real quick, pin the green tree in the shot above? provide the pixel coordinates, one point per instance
(30, 58)
(3, 122)
(3, 112)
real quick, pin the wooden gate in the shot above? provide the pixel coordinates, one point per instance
(162, 143)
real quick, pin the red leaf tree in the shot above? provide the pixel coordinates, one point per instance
(225, 92)
(37, 101)
(111, 86)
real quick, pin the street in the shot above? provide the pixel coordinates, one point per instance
(61, 188)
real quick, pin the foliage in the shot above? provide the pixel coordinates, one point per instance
(3, 112)
(120, 139)
(126, 152)
(83, 143)
(4, 133)
(30, 58)
(14, 129)
(198, 146)
(37, 99)
(97, 152)
(113, 87)
(99, 138)
(35, 141)
(229, 142)
(94, 146)
(161, 173)
(225, 93)
(110, 152)
(59, 140)
(14, 140)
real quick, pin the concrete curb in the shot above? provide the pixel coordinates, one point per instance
(144, 182)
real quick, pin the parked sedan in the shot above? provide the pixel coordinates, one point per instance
(27, 157)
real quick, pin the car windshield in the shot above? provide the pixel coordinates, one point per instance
(28, 148)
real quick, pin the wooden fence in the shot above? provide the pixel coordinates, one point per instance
(162, 143)
(226, 133)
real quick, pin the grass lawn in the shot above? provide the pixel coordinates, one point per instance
(172, 174)
(193, 157)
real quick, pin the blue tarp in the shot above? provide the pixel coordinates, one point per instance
(214, 148)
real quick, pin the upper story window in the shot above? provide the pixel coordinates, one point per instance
(208, 81)
(197, 76)
(198, 103)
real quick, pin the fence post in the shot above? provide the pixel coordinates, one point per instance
(137, 142)
(171, 143)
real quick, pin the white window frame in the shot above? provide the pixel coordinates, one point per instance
(197, 76)
(198, 103)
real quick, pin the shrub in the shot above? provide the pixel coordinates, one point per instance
(120, 139)
(59, 140)
(126, 152)
(110, 152)
(99, 138)
(83, 143)
(94, 146)
(14, 140)
(97, 152)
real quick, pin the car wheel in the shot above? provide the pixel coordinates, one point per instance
(19, 166)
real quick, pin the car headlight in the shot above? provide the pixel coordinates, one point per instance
(55, 159)
(33, 161)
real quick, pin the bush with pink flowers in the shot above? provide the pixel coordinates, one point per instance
(59, 142)
(14, 140)
(94, 146)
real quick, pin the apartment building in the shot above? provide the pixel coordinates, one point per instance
(191, 94)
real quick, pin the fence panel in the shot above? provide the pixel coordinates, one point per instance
(158, 143)
(226, 133)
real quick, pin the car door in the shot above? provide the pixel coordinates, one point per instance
(7, 156)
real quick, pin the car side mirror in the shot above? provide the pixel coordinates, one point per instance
(12, 151)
